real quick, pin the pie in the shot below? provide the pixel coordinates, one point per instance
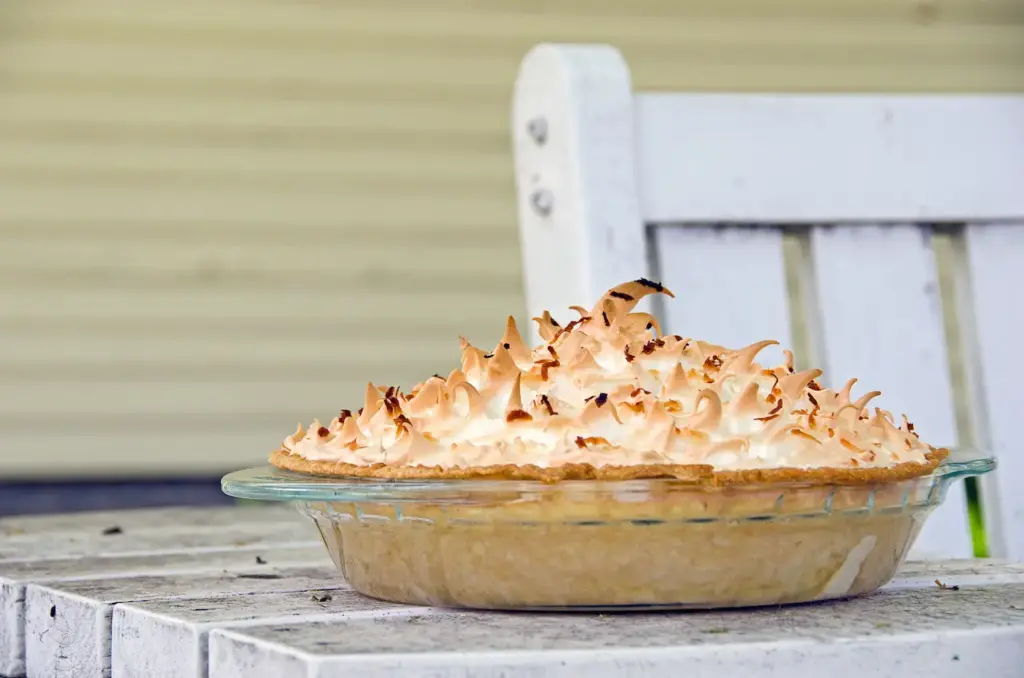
(713, 481)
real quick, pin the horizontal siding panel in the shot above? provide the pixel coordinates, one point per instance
(89, 424)
(234, 329)
(184, 60)
(453, 165)
(345, 181)
(188, 10)
(214, 136)
(281, 338)
(256, 263)
(117, 451)
(257, 89)
(434, 118)
(142, 135)
(76, 380)
(430, 230)
(399, 310)
(33, 354)
(645, 39)
(317, 29)
(229, 279)
(722, 71)
(205, 205)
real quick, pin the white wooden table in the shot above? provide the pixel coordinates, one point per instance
(250, 592)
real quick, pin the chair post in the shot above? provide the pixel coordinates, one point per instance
(575, 169)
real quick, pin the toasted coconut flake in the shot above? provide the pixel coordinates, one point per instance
(547, 405)
(780, 432)
(547, 327)
(850, 446)
(801, 432)
(545, 367)
(635, 291)
(594, 414)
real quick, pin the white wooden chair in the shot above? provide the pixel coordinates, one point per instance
(703, 190)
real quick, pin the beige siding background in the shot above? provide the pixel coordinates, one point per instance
(218, 217)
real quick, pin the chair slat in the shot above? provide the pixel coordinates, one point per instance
(995, 271)
(881, 321)
(715, 271)
(778, 158)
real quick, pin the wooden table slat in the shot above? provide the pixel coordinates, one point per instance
(159, 540)
(89, 521)
(168, 638)
(68, 626)
(73, 547)
(908, 632)
(14, 578)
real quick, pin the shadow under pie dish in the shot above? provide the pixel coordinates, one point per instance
(612, 467)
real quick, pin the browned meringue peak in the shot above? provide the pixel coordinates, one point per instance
(609, 388)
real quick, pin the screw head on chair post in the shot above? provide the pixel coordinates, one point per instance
(543, 201)
(537, 128)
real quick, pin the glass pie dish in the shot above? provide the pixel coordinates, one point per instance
(610, 545)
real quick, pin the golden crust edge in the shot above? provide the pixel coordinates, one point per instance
(695, 473)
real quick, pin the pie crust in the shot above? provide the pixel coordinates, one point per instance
(697, 474)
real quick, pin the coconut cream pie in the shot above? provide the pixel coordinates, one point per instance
(677, 473)
(607, 396)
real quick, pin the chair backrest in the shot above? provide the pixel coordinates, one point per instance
(807, 219)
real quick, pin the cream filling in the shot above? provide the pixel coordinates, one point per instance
(607, 389)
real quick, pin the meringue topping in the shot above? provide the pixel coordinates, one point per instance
(608, 389)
